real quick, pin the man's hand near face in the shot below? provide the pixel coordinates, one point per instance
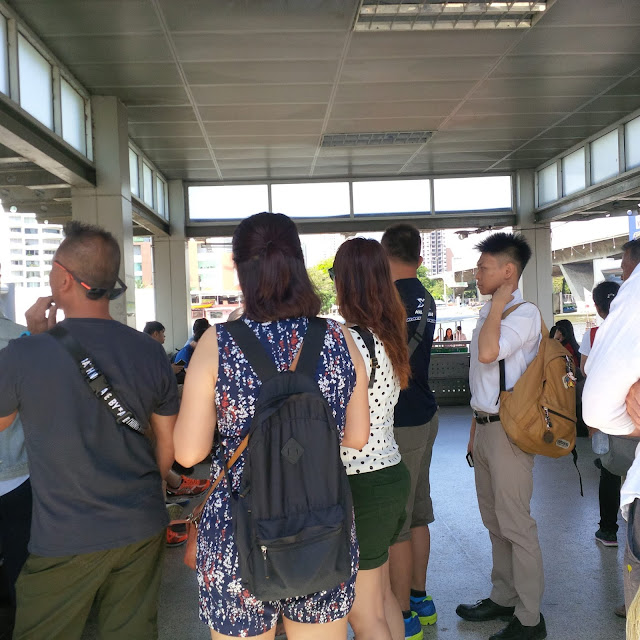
(41, 316)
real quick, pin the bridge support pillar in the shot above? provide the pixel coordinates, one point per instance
(536, 282)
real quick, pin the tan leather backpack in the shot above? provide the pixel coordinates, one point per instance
(539, 413)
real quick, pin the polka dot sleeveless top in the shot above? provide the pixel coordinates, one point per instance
(381, 451)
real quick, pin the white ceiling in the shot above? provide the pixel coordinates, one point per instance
(244, 89)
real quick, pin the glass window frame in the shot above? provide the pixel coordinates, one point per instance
(49, 122)
(602, 141)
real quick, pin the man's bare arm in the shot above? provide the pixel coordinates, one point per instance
(7, 421)
(162, 427)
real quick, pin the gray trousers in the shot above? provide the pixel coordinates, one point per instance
(504, 484)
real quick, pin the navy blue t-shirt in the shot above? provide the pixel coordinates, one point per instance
(96, 484)
(417, 404)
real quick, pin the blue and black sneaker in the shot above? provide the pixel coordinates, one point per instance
(412, 628)
(424, 609)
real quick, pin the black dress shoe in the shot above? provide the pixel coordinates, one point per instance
(515, 630)
(484, 610)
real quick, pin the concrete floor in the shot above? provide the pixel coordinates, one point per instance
(583, 579)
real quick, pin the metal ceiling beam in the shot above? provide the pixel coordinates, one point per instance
(30, 140)
(619, 187)
(145, 217)
(423, 221)
(30, 178)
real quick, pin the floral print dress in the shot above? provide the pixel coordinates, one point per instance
(225, 604)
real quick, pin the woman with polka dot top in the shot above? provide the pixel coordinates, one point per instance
(369, 302)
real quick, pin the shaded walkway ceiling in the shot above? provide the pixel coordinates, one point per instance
(241, 90)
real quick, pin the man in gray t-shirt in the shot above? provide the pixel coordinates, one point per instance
(98, 509)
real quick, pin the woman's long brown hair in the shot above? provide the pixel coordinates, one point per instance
(367, 297)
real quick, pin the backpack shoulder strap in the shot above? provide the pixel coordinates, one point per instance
(252, 349)
(418, 336)
(367, 338)
(312, 347)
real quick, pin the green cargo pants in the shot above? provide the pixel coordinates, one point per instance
(55, 595)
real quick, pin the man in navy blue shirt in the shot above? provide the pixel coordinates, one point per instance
(416, 427)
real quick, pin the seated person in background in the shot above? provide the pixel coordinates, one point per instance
(184, 355)
(155, 330)
(458, 334)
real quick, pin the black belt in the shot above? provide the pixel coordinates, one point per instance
(486, 419)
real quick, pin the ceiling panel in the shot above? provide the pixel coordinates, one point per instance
(218, 47)
(614, 65)
(413, 109)
(583, 39)
(71, 17)
(284, 128)
(125, 75)
(417, 44)
(392, 91)
(261, 94)
(112, 49)
(268, 78)
(264, 112)
(147, 96)
(274, 15)
(417, 70)
(258, 72)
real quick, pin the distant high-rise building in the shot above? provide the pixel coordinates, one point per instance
(434, 252)
(27, 249)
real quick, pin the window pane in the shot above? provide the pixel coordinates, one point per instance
(147, 184)
(391, 196)
(548, 184)
(573, 177)
(73, 120)
(4, 58)
(472, 194)
(311, 199)
(36, 84)
(632, 143)
(604, 157)
(227, 203)
(134, 178)
(160, 205)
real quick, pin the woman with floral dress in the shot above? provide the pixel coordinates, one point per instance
(220, 392)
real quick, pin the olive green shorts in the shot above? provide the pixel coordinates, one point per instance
(379, 502)
(55, 595)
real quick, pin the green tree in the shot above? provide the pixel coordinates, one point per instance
(319, 276)
(434, 287)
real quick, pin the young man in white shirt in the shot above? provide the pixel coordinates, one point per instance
(503, 472)
(610, 396)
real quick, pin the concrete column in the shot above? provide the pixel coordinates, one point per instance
(171, 273)
(109, 204)
(536, 282)
(580, 278)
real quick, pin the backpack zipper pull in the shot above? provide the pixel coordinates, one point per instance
(264, 560)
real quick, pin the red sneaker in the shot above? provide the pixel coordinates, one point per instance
(189, 487)
(175, 539)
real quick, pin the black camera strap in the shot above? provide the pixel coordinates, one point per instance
(96, 380)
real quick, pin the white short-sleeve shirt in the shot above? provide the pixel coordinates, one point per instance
(381, 450)
(519, 341)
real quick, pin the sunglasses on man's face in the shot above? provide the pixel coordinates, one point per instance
(95, 293)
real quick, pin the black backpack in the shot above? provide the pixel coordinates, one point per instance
(293, 515)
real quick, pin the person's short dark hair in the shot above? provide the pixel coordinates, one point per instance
(92, 253)
(402, 242)
(201, 324)
(633, 249)
(512, 246)
(271, 270)
(604, 293)
(153, 327)
(459, 328)
(552, 331)
(199, 331)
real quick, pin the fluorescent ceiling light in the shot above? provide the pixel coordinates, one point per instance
(400, 15)
(376, 139)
